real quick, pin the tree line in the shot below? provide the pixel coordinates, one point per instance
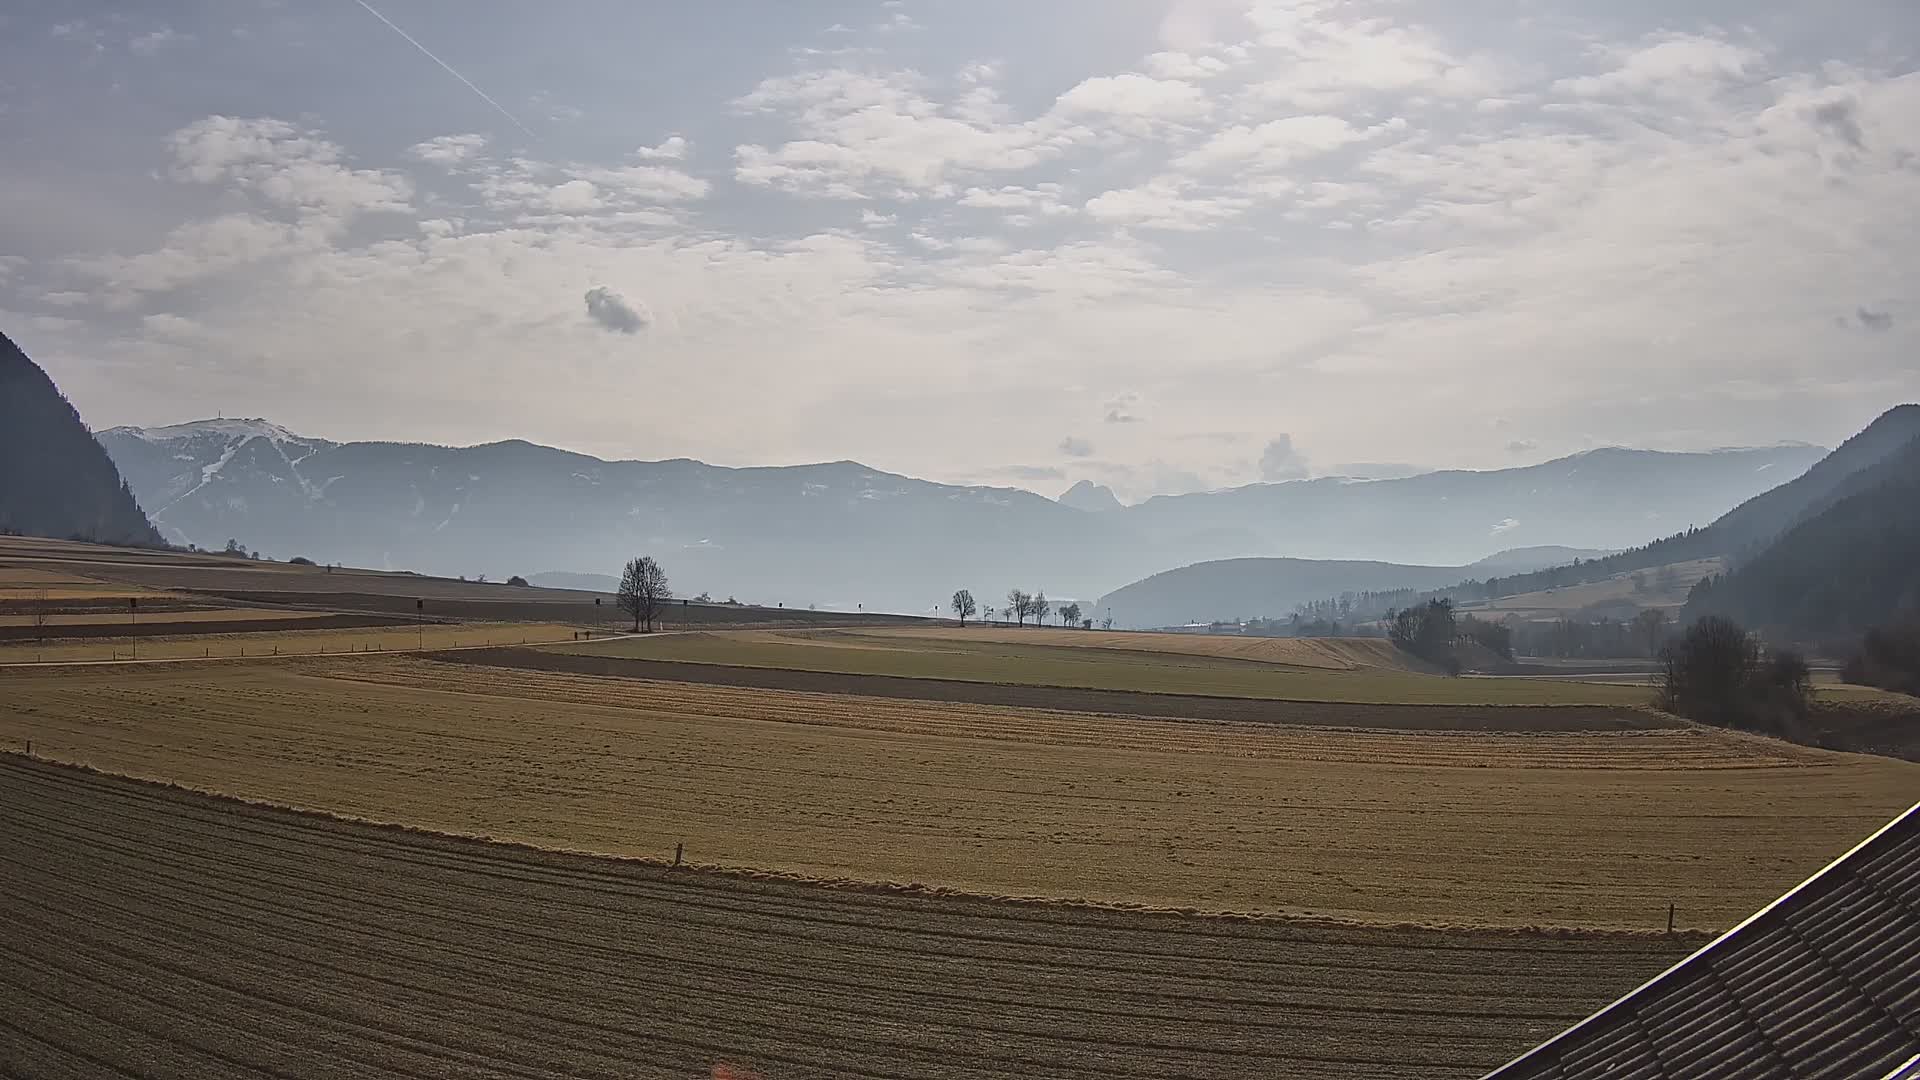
(1021, 606)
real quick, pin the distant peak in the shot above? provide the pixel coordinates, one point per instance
(231, 428)
(1091, 497)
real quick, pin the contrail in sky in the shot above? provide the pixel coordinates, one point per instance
(429, 53)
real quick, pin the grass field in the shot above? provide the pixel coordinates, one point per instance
(1570, 829)
(156, 933)
(1569, 601)
(206, 615)
(1151, 663)
(281, 642)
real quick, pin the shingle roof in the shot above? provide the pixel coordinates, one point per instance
(1822, 984)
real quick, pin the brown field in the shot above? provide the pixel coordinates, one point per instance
(158, 933)
(30, 584)
(1334, 654)
(104, 571)
(120, 618)
(1028, 659)
(1393, 716)
(386, 635)
(1567, 829)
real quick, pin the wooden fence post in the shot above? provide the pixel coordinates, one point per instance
(678, 850)
(1669, 918)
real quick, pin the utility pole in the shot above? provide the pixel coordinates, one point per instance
(133, 613)
(420, 622)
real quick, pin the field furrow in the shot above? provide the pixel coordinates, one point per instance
(170, 934)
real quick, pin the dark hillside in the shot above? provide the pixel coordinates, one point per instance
(1854, 565)
(55, 480)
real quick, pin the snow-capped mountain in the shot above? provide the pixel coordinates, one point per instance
(187, 458)
(841, 532)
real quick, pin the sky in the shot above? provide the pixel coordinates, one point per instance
(1162, 245)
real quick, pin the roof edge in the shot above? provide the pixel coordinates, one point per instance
(1911, 812)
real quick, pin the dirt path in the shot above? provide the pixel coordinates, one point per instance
(156, 933)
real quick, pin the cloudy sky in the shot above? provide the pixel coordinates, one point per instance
(1159, 244)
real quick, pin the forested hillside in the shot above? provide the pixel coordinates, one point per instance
(55, 480)
(1746, 530)
(1854, 565)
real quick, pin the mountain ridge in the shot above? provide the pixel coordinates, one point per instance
(839, 532)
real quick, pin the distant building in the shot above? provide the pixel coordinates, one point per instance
(1822, 984)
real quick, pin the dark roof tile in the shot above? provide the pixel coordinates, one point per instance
(1822, 984)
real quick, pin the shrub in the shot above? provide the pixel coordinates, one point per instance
(517, 580)
(300, 560)
(1888, 657)
(1716, 673)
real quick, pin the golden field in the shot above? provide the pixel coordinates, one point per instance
(1582, 829)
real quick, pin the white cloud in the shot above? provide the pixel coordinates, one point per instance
(1134, 103)
(1165, 203)
(1326, 56)
(1280, 461)
(1182, 65)
(1272, 145)
(881, 135)
(449, 150)
(1678, 65)
(284, 164)
(1024, 206)
(154, 41)
(675, 148)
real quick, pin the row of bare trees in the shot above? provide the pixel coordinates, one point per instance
(1021, 606)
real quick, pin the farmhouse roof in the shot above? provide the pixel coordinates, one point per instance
(1821, 984)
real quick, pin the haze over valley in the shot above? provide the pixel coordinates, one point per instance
(898, 540)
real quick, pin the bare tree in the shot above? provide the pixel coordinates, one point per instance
(1650, 627)
(964, 606)
(1040, 608)
(643, 590)
(1020, 604)
(41, 617)
(1070, 615)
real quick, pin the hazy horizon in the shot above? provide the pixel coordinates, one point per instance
(1163, 247)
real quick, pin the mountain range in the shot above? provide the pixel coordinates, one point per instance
(842, 533)
(1234, 589)
(55, 480)
(1828, 552)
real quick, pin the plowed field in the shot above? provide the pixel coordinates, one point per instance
(1009, 657)
(266, 638)
(156, 933)
(1565, 829)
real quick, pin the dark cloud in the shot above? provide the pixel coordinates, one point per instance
(1120, 409)
(1075, 446)
(1841, 119)
(1280, 461)
(1877, 321)
(613, 311)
